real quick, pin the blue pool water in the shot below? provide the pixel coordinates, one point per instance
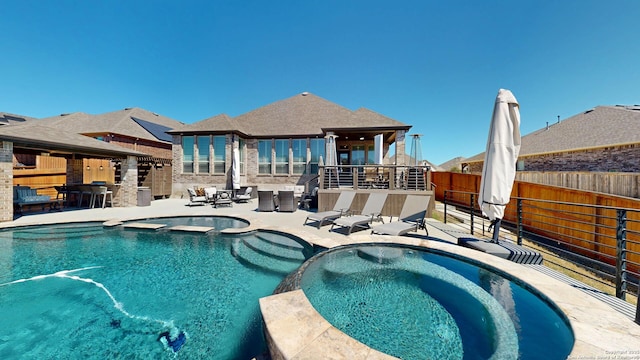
(414, 304)
(88, 292)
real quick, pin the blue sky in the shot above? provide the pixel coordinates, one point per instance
(436, 65)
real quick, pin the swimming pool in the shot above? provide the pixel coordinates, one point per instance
(415, 304)
(85, 291)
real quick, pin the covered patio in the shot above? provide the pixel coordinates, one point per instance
(33, 138)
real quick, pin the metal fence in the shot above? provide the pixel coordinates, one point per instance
(599, 238)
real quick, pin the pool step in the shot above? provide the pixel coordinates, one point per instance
(276, 249)
(143, 226)
(271, 261)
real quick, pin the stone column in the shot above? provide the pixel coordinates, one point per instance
(401, 159)
(6, 181)
(129, 186)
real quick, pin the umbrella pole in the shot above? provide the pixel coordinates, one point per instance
(496, 230)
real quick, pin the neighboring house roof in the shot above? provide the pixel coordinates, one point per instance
(300, 115)
(35, 136)
(121, 122)
(599, 127)
(453, 163)
(7, 118)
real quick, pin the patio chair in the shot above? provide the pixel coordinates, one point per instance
(411, 217)
(340, 208)
(82, 191)
(244, 197)
(372, 211)
(210, 194)
(287, 201)
(223, 198)
(195, 199)
(266, 201)
(100, 194)
(310, 201)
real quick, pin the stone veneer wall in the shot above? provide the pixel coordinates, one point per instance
(610, 159)
(6, 181)
(128, 191)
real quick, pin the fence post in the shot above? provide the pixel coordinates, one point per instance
(445, 206)
(621, 254)
(519, 220)
(471, 212)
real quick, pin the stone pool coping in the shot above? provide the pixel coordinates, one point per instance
(295, 330)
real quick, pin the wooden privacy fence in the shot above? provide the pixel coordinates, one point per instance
(588, 223)
(623, 184)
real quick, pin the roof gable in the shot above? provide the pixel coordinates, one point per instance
(300, 115)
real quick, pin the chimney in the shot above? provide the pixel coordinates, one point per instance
(547, 125)
(558, 119)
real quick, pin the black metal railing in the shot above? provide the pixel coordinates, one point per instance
(374, 177)
(605, 240)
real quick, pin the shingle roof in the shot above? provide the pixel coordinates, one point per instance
(115, 122)
(300, 115)
(218, 123)
(595, 128)
(34, 135)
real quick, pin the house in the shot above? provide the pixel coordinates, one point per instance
(134, 129)
(280, 144)
(602, 139)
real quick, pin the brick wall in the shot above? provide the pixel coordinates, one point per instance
(624, 158)
(6, 181)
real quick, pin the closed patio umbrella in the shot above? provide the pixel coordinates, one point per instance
(377, 149)
(235, 169)
(501, 155)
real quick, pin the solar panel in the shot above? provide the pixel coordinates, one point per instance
(157, 130)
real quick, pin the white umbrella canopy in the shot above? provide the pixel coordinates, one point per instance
(501, 155)
(377, 149)
(235, 169)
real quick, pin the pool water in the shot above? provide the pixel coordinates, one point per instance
(413, 304)
(88, 292)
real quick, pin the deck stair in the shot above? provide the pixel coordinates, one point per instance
(415, 179)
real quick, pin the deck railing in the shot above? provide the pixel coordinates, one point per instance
(603, 239)
(393, 177)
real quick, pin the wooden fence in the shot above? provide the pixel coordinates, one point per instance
(622, 184)
(50, 171)
(551, 212)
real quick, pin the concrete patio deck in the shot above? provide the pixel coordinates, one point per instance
(600, 331)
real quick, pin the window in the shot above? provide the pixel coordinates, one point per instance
(317, 149)
(357, 155)
(241, 153)
(299, 150)
(187, 154)
(219, 154)
(203, 154)
(282, 156)
(264, 156)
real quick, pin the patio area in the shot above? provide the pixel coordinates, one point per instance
(599, 329)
